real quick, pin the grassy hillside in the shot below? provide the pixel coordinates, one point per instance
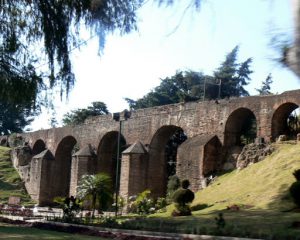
(10, 182)
(262, 185)
(260, 191)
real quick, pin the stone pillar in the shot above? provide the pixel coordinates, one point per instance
(38, 185)
(133, 170)
(83, 162)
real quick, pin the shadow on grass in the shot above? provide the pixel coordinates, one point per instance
(255, 223)
(283, 200)
(199, 207)
(5, 186)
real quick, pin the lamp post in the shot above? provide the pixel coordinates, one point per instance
(117, 117)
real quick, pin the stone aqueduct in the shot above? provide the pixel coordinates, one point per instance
(211, 128)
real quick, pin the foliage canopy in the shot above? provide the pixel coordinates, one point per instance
(97, 188)
(37, 37)
(54, 27)
(78, 116)
(228, 80)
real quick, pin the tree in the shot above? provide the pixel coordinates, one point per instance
(97, 188)
(13, 118)
(228, 81)
(233, 75)
(265, 86)
(78, 116)
(37, 36)
(56, 25)
(171, 151)
(183, 86)
(19, 86)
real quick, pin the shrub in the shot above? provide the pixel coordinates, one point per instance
(173, 185)
(110, 222)
(296, 174)
(143, 204)
(295, 188)
(70, 207)
(295, 192)
(182, 197)
(220, 221)
(160, 205)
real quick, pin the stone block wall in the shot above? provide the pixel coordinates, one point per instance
(153, 126)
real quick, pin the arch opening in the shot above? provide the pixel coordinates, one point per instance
(3, 142)
(163, 157)
(38, 147)
(107, 154)
(61, 171)
(240, 128)
(285, 121)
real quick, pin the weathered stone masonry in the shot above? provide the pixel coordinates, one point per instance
(211, 128)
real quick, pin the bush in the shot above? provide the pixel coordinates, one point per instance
(160, 205)
(182, 197)
(295, 192)
(143, 204)
(173, 185)
(296, 174)
(109, 222)
(295, 188)
(70, 207)
(182, 210)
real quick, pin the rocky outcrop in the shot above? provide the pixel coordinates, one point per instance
(231, 157)
(253, 153)
(21, 156)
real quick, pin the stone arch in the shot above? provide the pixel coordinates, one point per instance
(157, 175)
(3, 142)
(237, 124)
(38, 147)
(61, 171)
(107, 154)
(279, 119)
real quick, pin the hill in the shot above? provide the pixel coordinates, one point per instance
(10, 181)
(263, 185)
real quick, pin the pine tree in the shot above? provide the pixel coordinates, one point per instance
(233, 75)
(265, 86)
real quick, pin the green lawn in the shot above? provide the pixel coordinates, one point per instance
(8, 231)
(243, 223)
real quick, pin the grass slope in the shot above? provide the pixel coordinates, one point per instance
(263, 185)
(10, 181)
(261, 191)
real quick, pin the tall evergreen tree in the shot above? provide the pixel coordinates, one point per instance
(265, 86)
(228, 81)
(233, 75)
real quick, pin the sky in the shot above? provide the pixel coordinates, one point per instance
(171, 39)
